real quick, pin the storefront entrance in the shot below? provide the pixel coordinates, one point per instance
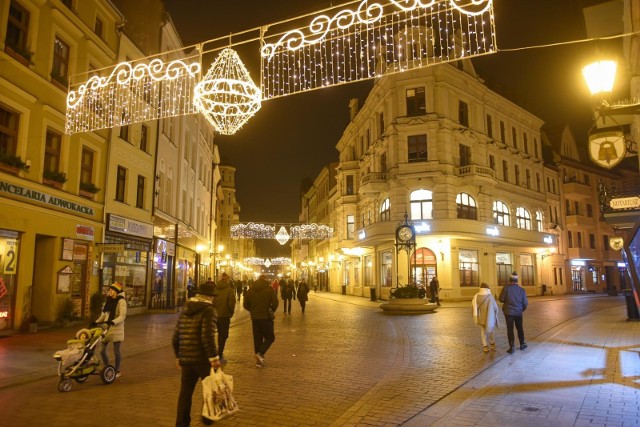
(426, 268)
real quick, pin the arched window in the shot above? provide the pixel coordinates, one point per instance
(466, 206)
(501, 213)
(523, 218)
(421, 204)
(385, 210)
(539, 223)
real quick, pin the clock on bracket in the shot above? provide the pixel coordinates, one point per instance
(405, 233)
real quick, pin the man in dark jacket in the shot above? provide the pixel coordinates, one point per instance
(286, 293)
(194, 345)
(303, 294)
(514, 303)
(225, 304)
(262, 302)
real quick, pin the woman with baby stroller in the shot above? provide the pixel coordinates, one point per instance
(114, 312)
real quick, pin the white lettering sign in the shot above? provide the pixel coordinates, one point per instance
(625, 203)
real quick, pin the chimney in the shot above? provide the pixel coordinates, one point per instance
(353, 108)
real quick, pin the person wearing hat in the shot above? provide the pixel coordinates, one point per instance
(514, 303)
(114, 312)
(225, 304)
(194, 345)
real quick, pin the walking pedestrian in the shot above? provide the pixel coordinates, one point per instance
(194, 345)
(303, 294)
(262, 303)
(225, 305)
(114, 313)
(239, 288)
(485, 316)
(434, 289)
(514, 303)
(286, 293)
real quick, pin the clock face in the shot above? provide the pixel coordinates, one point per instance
(405, 233)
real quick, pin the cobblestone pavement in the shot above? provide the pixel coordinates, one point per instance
(346, 363)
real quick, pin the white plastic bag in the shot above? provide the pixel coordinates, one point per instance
(217, 393)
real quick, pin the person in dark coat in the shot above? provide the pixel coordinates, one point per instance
(225, 304)
(194, 345)
(434, 289)
(514, 303)
(262, 303)
(286, 293)
(303, 294)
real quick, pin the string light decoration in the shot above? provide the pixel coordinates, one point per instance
(371, 39)
(263, 261)
(227, 97)
(359, 40)
(132, 92)
(253, 230)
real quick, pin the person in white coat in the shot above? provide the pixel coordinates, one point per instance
(114, 312)
(485, 315)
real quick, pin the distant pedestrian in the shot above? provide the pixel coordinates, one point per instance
(225, 304)
(191, 288)
(286, 293)
(194, 345)
(294, 286)
(114, 313)
(239, 288)
(434, 289)
(262, 303)
(275, 285)
(485, 316)
(514, 299)
(303, 294)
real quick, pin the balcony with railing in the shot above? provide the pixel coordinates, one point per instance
(575, 188)
(373, 183)
(478, 174)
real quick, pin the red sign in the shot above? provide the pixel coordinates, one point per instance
(85, 232)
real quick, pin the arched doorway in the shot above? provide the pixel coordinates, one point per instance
(426, 266)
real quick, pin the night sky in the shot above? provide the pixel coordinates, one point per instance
(293, 137)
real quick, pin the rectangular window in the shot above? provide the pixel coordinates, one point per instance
(52, 148)
(525, 142)
(60, 68)
(121, 184)
(416, 104)
(526, 275)
(505, 171)
(514, 137)
(577, 208)
(463, 113)
(98, 28)
(465, 155)
(381, 123)
(489, 126)
(144, 137)
(503, 134)
(592, 241)
(605, 242)
(589, 210)
(17, 28)
(349, 185)
(124, 133)
(386, 269)
(469, 268)
(570, 239)
(535, 147)
(351, 226)
(417, 148)
(68, 3)
(492, 162)
(517, 172)
(579, 239)
(527, 173)
(567, 206)
(86, 166)
(537, 181)
(140, 192)
(8, 131)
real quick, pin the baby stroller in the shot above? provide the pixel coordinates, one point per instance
(79, 360)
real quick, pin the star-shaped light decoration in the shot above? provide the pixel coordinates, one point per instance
(282, 237)
(227, 96)
(267, 263)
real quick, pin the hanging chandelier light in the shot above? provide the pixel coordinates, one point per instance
(226, 96)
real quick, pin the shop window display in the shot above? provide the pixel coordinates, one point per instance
(129, 268)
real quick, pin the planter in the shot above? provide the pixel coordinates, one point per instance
(408, 305)
(86, 194)
(52, 183)
(13, 170)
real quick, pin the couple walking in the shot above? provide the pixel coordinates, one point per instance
(485, 313)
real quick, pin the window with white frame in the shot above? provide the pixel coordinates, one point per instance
(539, 224)
(385, 210)
(466, 205)
(523, 218)
(351, 226)
(421, 204)
(501, 213)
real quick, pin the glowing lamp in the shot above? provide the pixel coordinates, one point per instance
(600, 76)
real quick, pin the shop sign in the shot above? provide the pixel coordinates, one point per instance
(105, 247)
(625, 203)
(44, 198)
(129, 226)
(11, 256)
(503, 258)
(85, 232)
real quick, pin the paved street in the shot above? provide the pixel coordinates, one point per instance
(345, 363)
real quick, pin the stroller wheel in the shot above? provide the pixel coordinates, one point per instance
(65, 385)
(81, 379)
(108, 374)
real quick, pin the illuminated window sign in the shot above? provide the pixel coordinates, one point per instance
(548, 240)
(362, 235)
(493, 231)
(422, 227)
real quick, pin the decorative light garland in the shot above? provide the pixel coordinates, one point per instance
(227, 97)
(311, 231)
(132, 94)
(370, 40)
(270, 261)
(266, 231)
